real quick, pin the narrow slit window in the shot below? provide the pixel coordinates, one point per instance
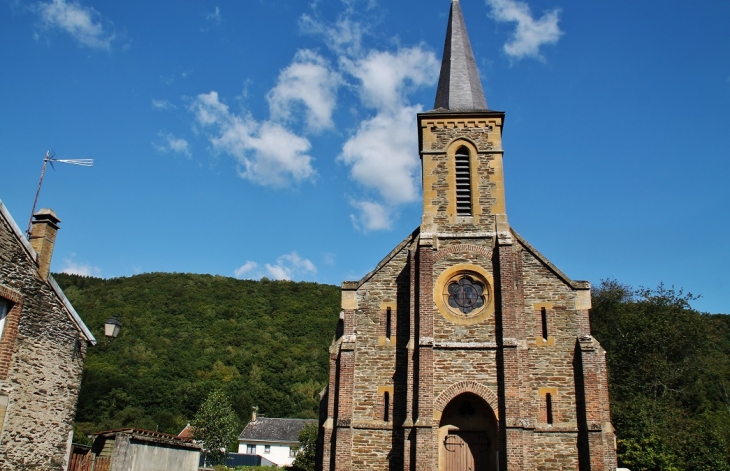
(543, 317)
(388, 323)
(386, 406)
(463, 182)
(549, 407)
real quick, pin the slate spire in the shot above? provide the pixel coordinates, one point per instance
(459, 86)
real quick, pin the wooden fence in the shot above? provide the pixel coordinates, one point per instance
(89, 462)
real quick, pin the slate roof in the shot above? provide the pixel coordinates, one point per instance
(274, 430)
(459, 86)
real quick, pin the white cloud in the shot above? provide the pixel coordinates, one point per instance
(162, 105)
(382, 155)
(268, 153)
(386, 78)
(84, 24)
(308, 81)
(530, 33)
(73, 268)
(383, 152)
(215, 16)
(173, 144)
(290, 265)
(344, 36)
(247, 267)
(371, 216)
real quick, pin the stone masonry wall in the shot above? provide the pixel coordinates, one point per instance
(44, 373)
(551, 363)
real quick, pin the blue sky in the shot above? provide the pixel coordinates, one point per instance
(277, 138)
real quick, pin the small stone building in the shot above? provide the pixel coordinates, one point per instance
(465, 348)
(42, 347)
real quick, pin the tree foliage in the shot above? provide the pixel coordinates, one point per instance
(305, 459)
(668, 371)
(263, 343)
(215, 425)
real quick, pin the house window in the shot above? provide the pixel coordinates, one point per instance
(267, 448)
(292, 452)
(250, 449)
(4, 308)
(543, 318)
(463, 182)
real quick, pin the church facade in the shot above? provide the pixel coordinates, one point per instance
(465, 348)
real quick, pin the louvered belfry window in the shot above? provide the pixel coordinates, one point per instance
(463, 183)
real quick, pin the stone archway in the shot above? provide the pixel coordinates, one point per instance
(467, 435)
(461, 387)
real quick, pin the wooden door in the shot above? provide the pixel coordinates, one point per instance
(467, 451)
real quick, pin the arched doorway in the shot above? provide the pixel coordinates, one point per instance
(468, 435)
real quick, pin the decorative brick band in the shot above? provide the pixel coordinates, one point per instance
(460, 124)
(462, 387)
(10, 330)
(487, 252)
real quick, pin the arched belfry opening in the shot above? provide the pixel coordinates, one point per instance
(462, 167)
(468, 438)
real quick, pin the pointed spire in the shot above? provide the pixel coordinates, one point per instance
(459, 86)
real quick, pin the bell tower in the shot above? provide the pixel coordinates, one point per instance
(460, 143)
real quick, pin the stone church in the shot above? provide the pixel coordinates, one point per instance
(465, 348)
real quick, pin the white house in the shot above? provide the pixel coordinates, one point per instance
(276, 440)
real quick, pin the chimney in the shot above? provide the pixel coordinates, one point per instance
(254, 411)
(43, 237)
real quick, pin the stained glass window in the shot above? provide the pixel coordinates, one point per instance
(466, 295)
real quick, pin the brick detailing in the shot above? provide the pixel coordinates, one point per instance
(410, 347)
(595, 427)
(343, 417)
(10, 330)
(515, 374)
(348, 321)
(463, 387)
(462, 248)
(477, 131)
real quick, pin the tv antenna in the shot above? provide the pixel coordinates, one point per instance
(51, 158)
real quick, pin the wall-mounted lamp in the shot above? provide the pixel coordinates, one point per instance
(112, 327)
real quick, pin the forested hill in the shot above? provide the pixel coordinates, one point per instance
(264, 342)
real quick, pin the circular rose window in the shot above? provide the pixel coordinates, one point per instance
(463, 294)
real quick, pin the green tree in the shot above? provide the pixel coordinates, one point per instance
(307, 448)
(667, 371)
(215, 424)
